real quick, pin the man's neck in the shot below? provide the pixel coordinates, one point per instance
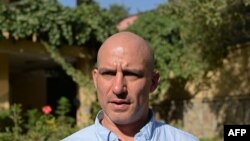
(124, 132)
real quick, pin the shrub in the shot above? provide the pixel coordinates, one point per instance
(35, 125)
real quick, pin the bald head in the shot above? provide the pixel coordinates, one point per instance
(130, 43)
(124, 78)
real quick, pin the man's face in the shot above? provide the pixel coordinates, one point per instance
(123, 81)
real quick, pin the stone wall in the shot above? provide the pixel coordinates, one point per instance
(223, 97)
(4, 82)
(205, 118)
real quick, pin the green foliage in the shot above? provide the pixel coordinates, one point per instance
(190, 37)
(173, 58)
(95, 108)
(35, 125)
(84, 1)
(55, 25)
(63, 108)
(215, 26)
(14, 114)
(76, 74)
(118, 12)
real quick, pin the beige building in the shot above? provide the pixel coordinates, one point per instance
(30, 77)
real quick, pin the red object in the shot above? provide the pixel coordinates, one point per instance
(46, 109)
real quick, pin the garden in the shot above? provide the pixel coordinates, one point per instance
(190, 38)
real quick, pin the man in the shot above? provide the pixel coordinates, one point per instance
(124, 77)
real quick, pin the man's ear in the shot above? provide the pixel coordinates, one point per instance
(155, 81)
(94, 76)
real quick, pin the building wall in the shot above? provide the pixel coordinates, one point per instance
(27, 83)
(4, 82)
(223, 97)
(29, 89)
(206, 118)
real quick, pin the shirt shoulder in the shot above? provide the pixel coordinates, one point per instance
(165, 131)
(87, 133)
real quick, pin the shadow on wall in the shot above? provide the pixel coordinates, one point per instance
(174, 104)
(231, 89)
(223, 97)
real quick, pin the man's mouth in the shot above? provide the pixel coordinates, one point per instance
(119, 105)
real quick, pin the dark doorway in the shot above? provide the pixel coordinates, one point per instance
(59, 84)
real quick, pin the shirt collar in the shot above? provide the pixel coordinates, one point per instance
(106, 134)
(147, 129)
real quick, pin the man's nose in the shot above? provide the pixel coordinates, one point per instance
(119, 84)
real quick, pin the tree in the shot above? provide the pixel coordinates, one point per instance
(191, 37)
(118, 11)
(79, 2)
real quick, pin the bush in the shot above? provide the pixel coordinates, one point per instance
(35, 125)
(209, 139)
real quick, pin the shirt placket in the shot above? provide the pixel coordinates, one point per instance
(140, 137)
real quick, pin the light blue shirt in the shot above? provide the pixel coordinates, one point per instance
(152, 131)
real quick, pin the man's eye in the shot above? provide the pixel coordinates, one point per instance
(108, 73)
(131, 75)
